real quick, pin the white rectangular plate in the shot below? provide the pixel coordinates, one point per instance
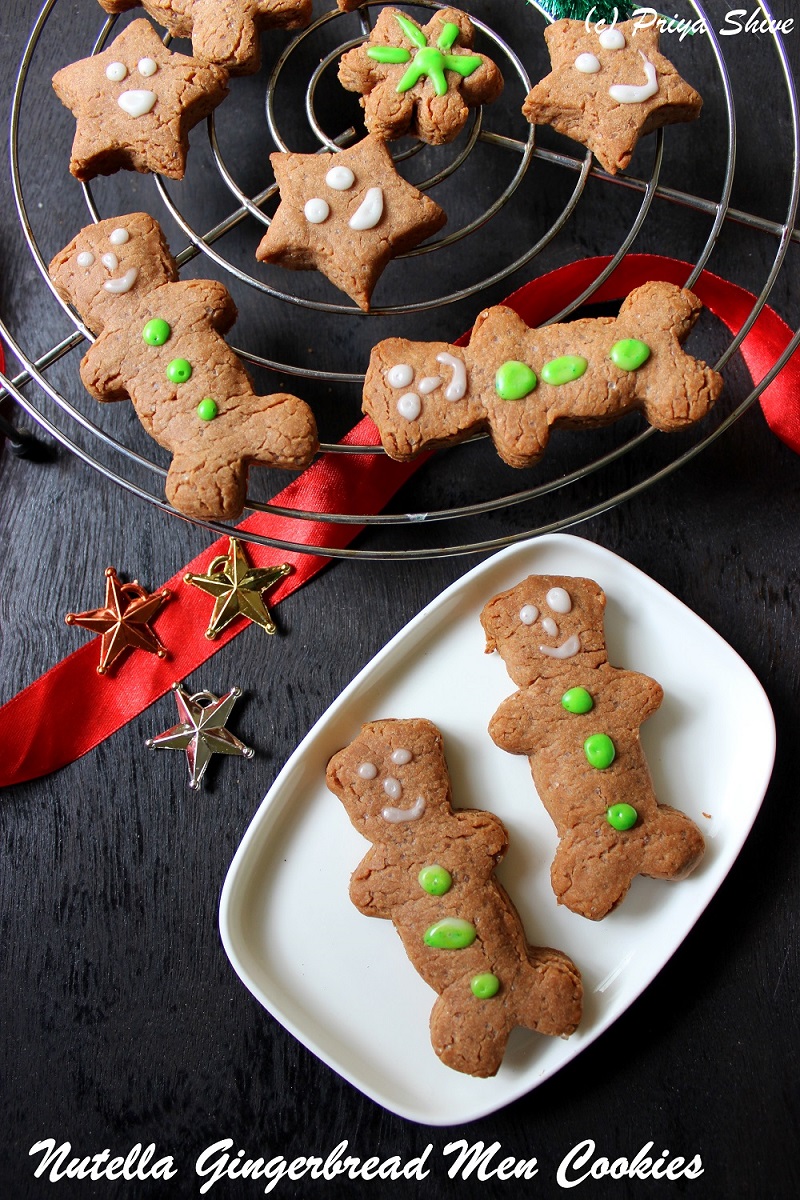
(341, 983)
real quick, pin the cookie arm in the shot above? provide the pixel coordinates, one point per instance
(212, 296)
(513, 726)
(101, 370)
(369, 890)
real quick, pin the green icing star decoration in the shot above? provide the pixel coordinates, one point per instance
(429, 61)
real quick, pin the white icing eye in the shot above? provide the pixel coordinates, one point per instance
(316, 211)
(559, 600)
(116, 72)
(400, 375)
(147, 67)
(393, 788)
(110, 261)
(118, 237)
(429, 383)
(528, 614)
(369, 211)
(549, 626)
(137, 102)
(340, 179)
(409, 406)
(367, 770)
(587, 64)
(401, 757)
(612, 39)
(85, 258)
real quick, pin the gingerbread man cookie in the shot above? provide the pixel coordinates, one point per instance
(519, 383)
(160, 345)
(135, 103)
(609, 88)
(431, 872)
(420, 79)
(347, 215)
(226, 32)
(577, 718)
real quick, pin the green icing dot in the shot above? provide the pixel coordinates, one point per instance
(483, 987)
(435, 880)
(179, 370)
(577, 700)
(156, 332)
(599, 751)
(451, 933)
(514, 380)
(207, 409)
(621, 816)
(564, 369)
(629, 354)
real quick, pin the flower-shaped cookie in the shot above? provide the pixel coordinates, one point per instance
(420, 80)
(135, 104)
(608, 89)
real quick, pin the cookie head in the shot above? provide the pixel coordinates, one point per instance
(108, 267)
(391, 778)
(545, 623)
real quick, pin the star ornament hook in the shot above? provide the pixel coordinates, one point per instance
(201, 731)
(238, 589)
(124, 620)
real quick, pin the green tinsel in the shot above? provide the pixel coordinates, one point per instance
(579, 10)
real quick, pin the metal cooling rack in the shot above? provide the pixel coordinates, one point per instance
(565, 487)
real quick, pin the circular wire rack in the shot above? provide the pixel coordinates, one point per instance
(312, 56)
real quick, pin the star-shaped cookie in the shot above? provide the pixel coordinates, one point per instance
(346, 214)
(420, 79)
(201, 730)
(238, 589)
(135, 104)
(123, 621)
(608, 89)
(226, 32)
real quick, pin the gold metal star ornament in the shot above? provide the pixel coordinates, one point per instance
(238, 589)
(124, 620)
(201, 730)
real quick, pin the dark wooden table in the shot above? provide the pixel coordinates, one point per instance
(122, 1020)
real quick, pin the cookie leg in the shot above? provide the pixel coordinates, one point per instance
(674, 845)
(547, 993)
(206, 490)
(227, 37)
(594, 868)
(278, 431)
(469, 1035)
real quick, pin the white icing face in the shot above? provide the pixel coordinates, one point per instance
(409, 405)
(559, 601)
(117, 285)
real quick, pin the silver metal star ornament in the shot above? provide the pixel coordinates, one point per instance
(201, 731)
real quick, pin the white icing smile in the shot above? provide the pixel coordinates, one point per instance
(567, 649)
(395, 815)
(369, 211)
(625, 93)
(124, 284)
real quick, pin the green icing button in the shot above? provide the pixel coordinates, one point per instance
(156, 332)
(483, 987)
(514, 380)
(179, 370)
(207, 409)
(564, 369)
(622, 816)
(577, 700)
(629, 354)
(599, 751)
(435, 880)
(451, 933)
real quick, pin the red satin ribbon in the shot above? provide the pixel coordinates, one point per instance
(41, 728)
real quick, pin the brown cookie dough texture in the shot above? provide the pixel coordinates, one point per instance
(347, 215)
(571, 705)
(420, 79)
(431, 872)
(519, 383)
(160, 345)
(135, 103)
(226, 32)
(608, 89)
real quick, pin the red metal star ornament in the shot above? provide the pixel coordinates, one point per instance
(124, 620)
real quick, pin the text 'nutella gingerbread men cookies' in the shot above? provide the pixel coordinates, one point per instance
(226, 32)
(577, 718)
(431, 872)
(160, 345)
(420, 80)
(519, 383)
(608, 87)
